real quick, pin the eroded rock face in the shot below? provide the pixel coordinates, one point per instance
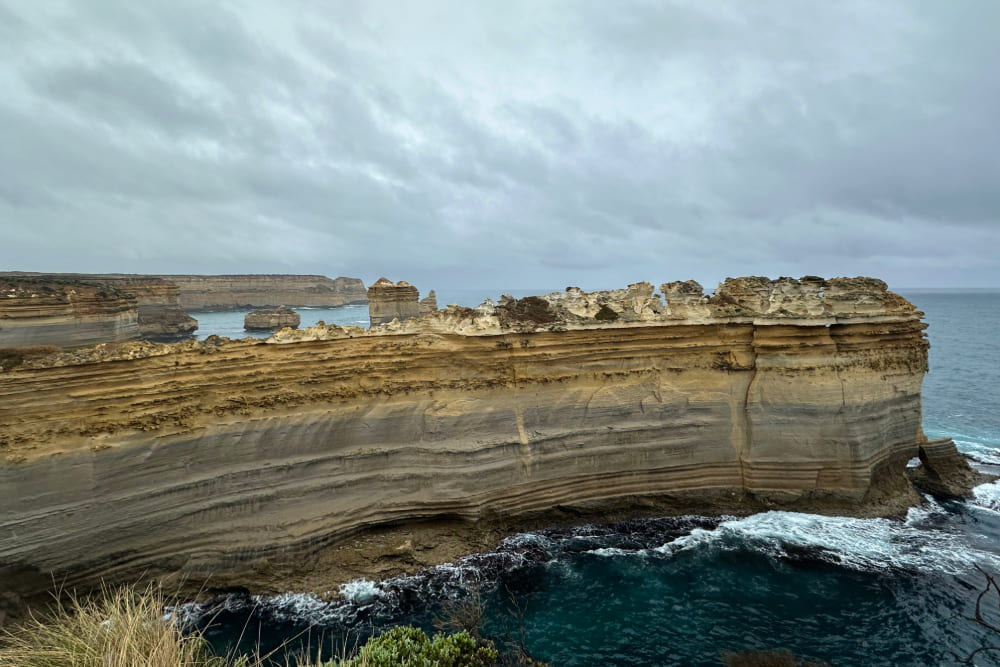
(388, 301)
(160, 315)
(64, 311)
(158, 312)
(429, 303)
(271, 319)
(484, 417)
(235, 292)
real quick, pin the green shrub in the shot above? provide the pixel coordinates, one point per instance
(411, 647)
(605, 314)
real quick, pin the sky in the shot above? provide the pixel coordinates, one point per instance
(515, 144)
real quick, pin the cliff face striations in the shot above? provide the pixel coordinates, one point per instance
(206, 293)
(153, 303)
(39, 310)
(271, 319)
(388, 301)
(255, 461)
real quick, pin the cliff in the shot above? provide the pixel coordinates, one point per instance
(310, 458)
(157, 311)
(388, 301)
(208, 293)
(43, 310)
(160, 314)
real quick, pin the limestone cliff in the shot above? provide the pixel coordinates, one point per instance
(235, 292)
(160, 315)
(157, 310)
(308, 458)
(388, 301)
(42, 310)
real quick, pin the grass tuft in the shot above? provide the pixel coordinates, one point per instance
(121, 627)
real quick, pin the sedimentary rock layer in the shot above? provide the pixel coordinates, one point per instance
(234, 292)
(388, 301)
(271, 319)
(238, 459)
(155, 301)
(36, 311)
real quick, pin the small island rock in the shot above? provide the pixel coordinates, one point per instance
(271, 319)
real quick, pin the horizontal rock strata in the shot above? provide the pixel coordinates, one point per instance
(388, 301)
(157, 311)
(271, 319)
(235, 292)
(242, 459)
(64, 312)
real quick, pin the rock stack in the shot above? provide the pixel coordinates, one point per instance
(429, 304)
(271, 319)
(388, 301)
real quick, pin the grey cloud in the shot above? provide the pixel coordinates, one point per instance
(521, 144)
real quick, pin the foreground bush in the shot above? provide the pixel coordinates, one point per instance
(411, 647)
(119, 628)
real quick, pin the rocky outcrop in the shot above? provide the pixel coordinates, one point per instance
(271, 319)
(236, 292)
(943, 471)
(160, 315)
(308, 458)
(158, 312)
(429, 303)
(388, 301)
(64, 311)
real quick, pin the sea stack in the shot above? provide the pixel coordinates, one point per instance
(271, 319)
(428, 304)
(388, 301)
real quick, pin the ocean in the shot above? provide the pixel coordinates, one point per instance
(684, 590)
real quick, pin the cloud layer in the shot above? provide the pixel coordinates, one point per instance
(514, 144)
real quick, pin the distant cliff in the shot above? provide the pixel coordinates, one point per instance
(47, 310)
(143, 307)
(319, 455)
(235, 292)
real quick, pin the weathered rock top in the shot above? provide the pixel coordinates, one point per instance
(388, 301)
(805, 301)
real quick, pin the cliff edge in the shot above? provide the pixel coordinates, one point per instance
(307, 459)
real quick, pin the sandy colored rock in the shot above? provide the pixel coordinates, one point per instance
(429, 303)
(319, 452)
(236, 292)
(388, 301)
(67, 312)
(271, 319)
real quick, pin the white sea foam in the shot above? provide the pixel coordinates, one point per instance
(978, 451)
(987, 496)
(361, 591)
(863, 544)
(613, 551)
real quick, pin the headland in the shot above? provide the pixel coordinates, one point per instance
(329, 453)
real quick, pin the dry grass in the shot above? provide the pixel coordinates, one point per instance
(120, 627)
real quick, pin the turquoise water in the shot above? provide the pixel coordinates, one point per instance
(681, 591)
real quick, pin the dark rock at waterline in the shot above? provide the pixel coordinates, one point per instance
(944, 472)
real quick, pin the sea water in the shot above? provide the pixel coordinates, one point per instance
(683, 590)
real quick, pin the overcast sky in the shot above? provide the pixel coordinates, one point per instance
(503, 144)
